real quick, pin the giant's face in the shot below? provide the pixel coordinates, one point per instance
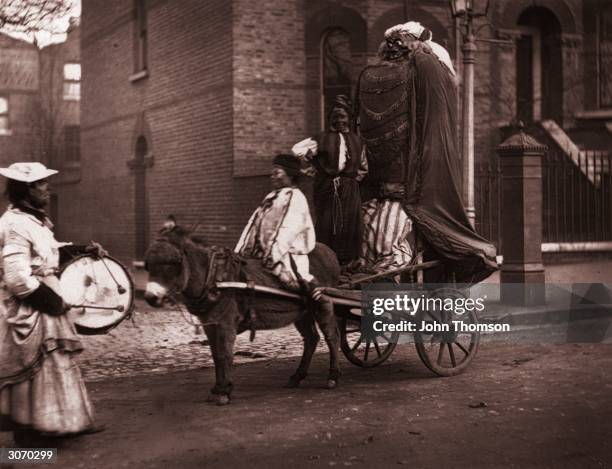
(397, 46)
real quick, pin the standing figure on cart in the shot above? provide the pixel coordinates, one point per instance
(339, 162)
(406, 109)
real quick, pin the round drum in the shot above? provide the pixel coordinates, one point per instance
(101, 290)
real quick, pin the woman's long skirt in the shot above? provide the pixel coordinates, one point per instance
(52, 398)
(338, 215)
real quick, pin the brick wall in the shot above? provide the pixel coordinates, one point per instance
(185, 110)
(23, 141)
(269, 82)
(229, 85)
(19, 84)
(57, 112)
(186, 136)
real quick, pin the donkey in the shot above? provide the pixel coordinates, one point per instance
(183, 268)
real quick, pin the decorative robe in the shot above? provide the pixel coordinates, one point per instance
(433, 180)
(408, 122)
(280, 233)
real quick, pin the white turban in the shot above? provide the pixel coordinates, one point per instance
(416, 29)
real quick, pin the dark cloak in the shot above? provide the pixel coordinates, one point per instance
(433, 173)
(338, 208)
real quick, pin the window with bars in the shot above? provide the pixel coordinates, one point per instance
(72, 82)
(140, 36)
(72, 143)
(4, 115)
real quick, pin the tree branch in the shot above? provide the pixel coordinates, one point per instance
(30, 16)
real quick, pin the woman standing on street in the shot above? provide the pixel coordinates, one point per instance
(42, 393)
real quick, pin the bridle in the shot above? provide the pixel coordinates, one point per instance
(209, 294)
(180, 261)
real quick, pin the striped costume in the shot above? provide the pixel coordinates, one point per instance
(388, 237)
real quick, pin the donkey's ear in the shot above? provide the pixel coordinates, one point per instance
(169, 223)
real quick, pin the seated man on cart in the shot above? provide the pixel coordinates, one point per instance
(280, 231)
(406, 109)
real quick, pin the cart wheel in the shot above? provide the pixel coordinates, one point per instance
(446, 353)
(363, 351)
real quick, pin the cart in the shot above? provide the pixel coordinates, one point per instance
(444, 353)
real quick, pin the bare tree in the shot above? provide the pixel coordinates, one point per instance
(30, 16)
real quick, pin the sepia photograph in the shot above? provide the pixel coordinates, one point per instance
(305, 234)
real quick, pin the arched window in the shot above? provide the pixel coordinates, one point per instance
(336, 68)
(141, 148)
(539, 66)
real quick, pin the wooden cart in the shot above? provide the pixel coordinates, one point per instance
(444, 353)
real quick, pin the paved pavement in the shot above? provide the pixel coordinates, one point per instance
(162, 341)
(165, 341)
(596, 269)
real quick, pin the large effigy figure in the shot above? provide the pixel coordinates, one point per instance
(406, 108)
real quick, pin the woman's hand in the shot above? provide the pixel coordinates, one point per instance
(96, 250)
(46, 300)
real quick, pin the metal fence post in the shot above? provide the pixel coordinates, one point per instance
(522, 271)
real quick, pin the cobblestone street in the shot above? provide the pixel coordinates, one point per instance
(162, 341)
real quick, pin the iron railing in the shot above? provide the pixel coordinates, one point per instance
(576, 198)
(489, 202)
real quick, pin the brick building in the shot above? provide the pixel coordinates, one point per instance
(19, 101)
(40, 104)
(184, 103)
(60, 113)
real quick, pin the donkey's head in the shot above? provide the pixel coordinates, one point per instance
(168, 259)
(165, 260)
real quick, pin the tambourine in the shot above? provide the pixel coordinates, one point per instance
(100, 290)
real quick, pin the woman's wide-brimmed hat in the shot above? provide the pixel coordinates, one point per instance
(27, 172)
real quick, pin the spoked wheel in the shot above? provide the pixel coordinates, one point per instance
(364, 350)
(446, 353)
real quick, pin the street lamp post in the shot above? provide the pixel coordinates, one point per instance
(467, 10)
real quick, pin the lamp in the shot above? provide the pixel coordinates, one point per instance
(473, 8)
(468, 10)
